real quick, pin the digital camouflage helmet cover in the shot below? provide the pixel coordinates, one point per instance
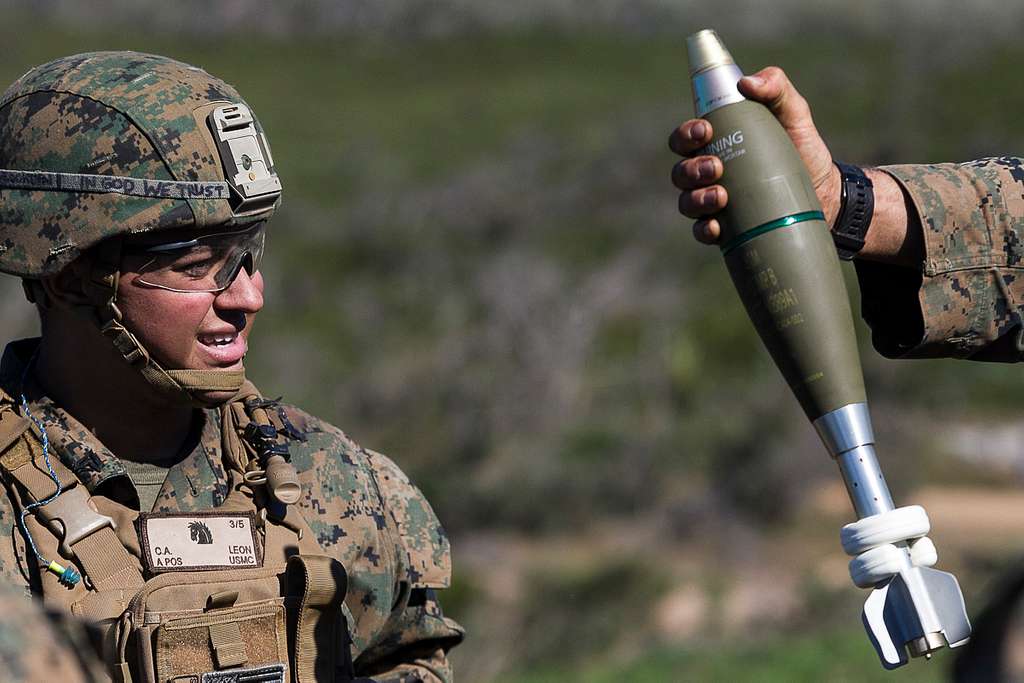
(101, 145)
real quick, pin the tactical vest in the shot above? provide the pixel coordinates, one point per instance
(267, 606)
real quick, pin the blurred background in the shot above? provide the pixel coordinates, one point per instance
(479, 269)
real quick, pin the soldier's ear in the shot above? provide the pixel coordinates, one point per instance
(67, 289)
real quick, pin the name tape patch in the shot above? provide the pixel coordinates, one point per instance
(196, 541)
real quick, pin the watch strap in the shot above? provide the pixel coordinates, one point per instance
(856, 207)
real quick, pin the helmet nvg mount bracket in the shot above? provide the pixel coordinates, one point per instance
(250, 169)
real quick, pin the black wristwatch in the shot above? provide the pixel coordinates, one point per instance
(856, 206)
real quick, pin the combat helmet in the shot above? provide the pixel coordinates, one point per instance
(101, 145)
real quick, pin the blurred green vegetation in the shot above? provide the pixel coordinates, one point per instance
(841, 656)
(479, 269)
(573, 614)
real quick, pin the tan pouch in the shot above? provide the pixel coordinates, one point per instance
(183, 625)
(247, 636)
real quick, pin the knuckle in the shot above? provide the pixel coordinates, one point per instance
(700, 202)
(680, 140)
(707, 168)
(690, 174)
(691, 170)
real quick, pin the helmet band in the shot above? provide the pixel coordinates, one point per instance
(113, 184)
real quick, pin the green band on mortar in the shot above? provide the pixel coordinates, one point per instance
(772, 225)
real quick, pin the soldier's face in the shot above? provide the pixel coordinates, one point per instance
(191, 330)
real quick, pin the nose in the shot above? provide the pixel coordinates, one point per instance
(245, 293)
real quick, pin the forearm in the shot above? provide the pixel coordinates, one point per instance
(894, 235)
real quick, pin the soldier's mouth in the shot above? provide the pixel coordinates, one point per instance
(218, 339)
(223, 348)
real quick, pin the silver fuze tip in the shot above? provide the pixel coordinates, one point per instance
(705, 50)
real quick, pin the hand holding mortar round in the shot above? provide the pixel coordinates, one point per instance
(784, 265)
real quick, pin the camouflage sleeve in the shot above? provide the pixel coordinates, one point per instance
(963, 303)
(38, 646)
(417, 636)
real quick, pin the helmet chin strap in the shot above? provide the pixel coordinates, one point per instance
(180, 385)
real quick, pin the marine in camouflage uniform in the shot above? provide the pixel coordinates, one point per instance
(363, 509)
(143, 118)
(36, 645)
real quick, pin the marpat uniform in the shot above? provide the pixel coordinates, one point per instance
(965, 301)
(37, 645)
(275, 549)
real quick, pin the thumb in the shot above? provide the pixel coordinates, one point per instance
(772, 88)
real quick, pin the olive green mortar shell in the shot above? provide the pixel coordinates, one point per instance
(784, 266)
(782, 261)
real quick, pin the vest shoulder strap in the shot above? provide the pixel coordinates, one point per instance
(83, 533)
(12, 425)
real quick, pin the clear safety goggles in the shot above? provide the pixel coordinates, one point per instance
(208, 263)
